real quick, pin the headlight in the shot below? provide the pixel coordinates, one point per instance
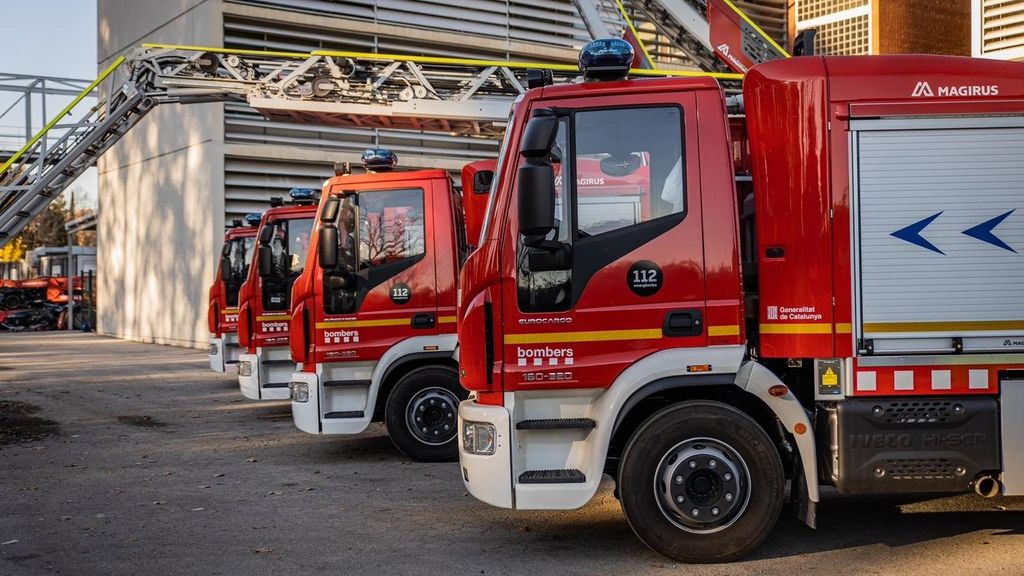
(245, 368)
(213, 349)
(300, 392)
(478, 438)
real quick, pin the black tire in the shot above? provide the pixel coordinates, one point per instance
(659, 489)
(430, 394)
(12, 302)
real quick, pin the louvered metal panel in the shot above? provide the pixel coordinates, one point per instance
(249, 184)
(553, 22)
(1002, 27)
(939, 223)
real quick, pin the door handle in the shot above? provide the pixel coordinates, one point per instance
(423, 321)
(683, 323)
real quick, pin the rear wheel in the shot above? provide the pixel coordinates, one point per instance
(701, 482)
(422, 414)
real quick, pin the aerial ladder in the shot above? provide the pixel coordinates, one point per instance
(470, 97)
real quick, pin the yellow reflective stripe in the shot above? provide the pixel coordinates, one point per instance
(591, 336)
(874, 327)
(809, 328)
(758, 28)
(227, 311)
(365, 323)
(81, 95)
(844, 328)
(227, 50)
(446, 319)
(273, 318)
(730, 330)
(629, 22)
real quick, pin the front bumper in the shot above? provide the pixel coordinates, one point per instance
(263, 382)
(488, 477)
(216, 354)
(306, 415)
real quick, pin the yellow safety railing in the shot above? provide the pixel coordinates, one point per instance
(442, 60)
(67, 109)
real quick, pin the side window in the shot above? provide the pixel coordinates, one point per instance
(620, 170)
(289, 246)
(390, 227)
(379, 234)
(240, 259)
(629, 168)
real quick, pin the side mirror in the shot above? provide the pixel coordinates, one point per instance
(264, 263)
(330, 211)
(539, 135)
(226, 249)
(225, 268)
(266, 234)
(482, 181)
(536, 201)
(327, 249)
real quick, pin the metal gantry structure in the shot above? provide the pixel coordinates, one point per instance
(369, 90)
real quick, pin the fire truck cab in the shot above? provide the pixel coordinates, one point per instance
(282, 245)
(855, 322)
(222, 313)
(373, 323)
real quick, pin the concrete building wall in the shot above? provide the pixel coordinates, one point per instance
(161, 200)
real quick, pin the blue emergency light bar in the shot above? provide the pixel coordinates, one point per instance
(253, 219)
(304, 195)
(379, 159)
(606, 59)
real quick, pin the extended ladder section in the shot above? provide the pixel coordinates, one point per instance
(461, 96)
(366, 90)
(715, 34)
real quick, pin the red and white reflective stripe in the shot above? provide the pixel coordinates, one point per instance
(924, 380)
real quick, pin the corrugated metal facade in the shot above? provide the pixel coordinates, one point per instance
(250, 181)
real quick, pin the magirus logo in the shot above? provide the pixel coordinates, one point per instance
(724, 50)
(341, 336)
(924, 90)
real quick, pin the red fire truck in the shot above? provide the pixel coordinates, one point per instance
(282, 243)
(373, 322)
(222, 314)
(857, 322)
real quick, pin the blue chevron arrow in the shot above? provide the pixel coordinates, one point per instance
(984, 232)
(912, 234)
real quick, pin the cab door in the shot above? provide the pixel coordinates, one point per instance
(381, 290)
(622, 275)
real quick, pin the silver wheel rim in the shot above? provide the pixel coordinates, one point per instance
(702, 485)
(431, 416)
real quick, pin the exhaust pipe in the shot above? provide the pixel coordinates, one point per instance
(987, 486)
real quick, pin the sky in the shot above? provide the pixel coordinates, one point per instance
(46, 38)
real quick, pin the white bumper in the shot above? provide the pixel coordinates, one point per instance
(259, 381)
(216, 354)
(306, 415)
(488, 477)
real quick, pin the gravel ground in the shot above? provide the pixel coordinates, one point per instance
(127, 458)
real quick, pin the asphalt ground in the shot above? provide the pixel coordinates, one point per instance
(127, 458)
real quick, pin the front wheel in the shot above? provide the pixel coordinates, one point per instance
(701, 482)
(422, 414)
